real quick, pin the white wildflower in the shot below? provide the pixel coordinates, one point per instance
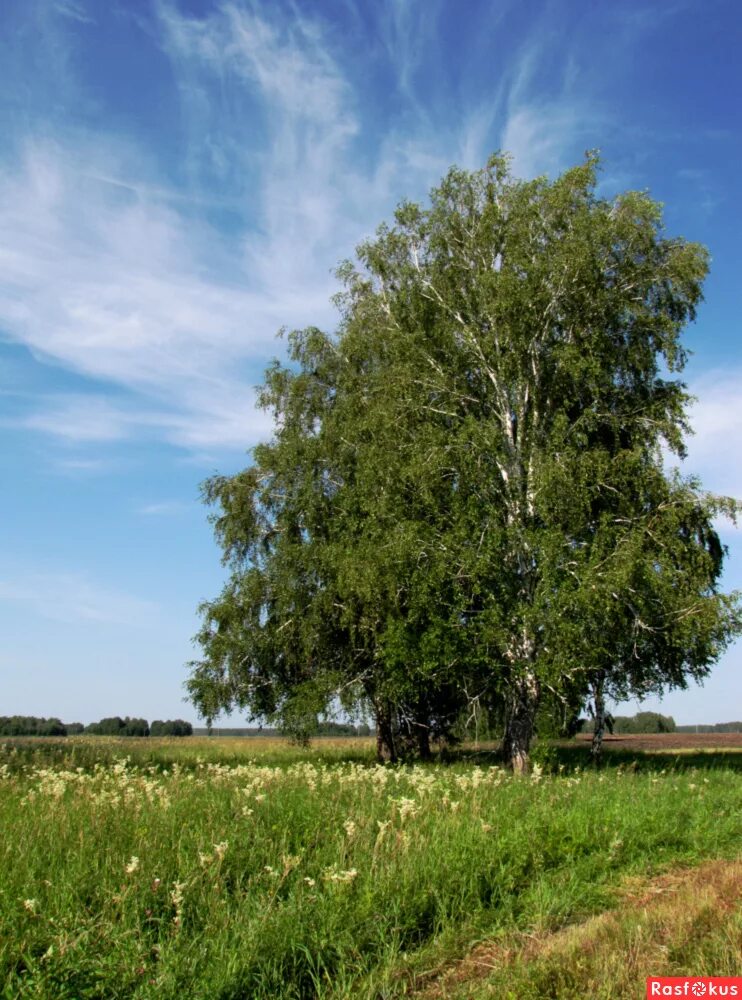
(176, 898)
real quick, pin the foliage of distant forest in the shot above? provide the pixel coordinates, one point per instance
(322, 729)
(719, 727)
(29, 725)
(642, 722)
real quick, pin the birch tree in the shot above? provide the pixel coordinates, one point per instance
(473, 455)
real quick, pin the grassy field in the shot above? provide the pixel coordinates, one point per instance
(230, 869)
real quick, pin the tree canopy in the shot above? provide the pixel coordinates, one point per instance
(464, 500)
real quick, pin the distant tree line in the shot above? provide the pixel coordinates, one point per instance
(642, 722)
(29, 725)
(172, 727)
(719, 727)
(342, 729)
(321, 728)
(116, 726)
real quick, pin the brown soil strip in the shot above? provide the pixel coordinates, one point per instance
(670, 898)
(670, 741)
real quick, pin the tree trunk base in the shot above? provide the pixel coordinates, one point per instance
(386, 749)
(520, 725)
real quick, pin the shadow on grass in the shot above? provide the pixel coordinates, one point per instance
(71, 753)
(572, 755)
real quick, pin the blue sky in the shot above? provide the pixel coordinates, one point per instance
(177, 182)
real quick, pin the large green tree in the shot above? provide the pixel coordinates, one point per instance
(464, 491)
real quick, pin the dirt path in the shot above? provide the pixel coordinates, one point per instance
(667, 910)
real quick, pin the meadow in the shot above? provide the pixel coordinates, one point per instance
(230, 869)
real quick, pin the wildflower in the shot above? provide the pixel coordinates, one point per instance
(133, 865)
(31, 905)
(221, 849)
(176, 898)
(343, 877)
(310, 881)
(350, 827)
(407, 807)
(205, 859)
(383, 826)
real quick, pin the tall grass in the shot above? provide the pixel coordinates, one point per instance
(293, 875)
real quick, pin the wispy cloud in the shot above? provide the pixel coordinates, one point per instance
(544, 134)
(73, 9)
(715, 449)
(163, 508)
(117, 288)
(224, 417)
(74, 466)
(113, 273)
(72, 598)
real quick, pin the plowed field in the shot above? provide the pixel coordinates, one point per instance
(671, 741)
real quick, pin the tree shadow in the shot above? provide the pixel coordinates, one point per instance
(568, 756)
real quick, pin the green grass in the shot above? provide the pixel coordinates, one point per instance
(691, 927)
(234, 869)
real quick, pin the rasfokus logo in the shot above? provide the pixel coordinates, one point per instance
(694, 986)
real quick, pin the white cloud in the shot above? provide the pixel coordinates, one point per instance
(79, 466)
(117, 288)
(715, 448)
(109, 272)
(545, 134)
(163, 508)
(73, 598)
(305, 189)
(73, 10)
(224, 417)
(540, 136)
